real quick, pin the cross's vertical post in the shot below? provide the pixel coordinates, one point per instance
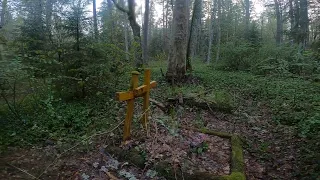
(130, 107)
(146, 96)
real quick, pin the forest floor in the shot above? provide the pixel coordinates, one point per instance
(271, 150)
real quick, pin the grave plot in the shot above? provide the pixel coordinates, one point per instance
(175, 151)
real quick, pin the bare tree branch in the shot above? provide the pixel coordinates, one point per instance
(120, 8)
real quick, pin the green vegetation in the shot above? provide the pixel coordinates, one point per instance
(61, 65)
(293, 100)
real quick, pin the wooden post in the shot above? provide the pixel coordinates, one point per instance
(146, 96)
(130, 107)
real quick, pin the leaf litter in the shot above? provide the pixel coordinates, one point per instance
(265, 154)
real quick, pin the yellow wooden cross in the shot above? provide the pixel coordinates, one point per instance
(134, 92)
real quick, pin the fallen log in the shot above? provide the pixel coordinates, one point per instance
(198, 102)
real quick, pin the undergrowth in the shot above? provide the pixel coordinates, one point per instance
(292, 100)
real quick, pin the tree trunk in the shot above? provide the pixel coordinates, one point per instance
(261, 28)
(247, 20)
(296, 20)
(126, 30)
(110, 23)
(291, 16)
(49, 6)
(78, 34)
(279, 23)
(219, 32)
(164, 36)
(145, 32)
(126, 40)
(211, 25)
(304, 23)
(136, 33)
(95, 21)
(177, 56)
(3, 12)
(194, 32)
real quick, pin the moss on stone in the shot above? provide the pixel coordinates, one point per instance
(237, 161)
(209, 176)
(216, 133)
(232, 176)
(133, 156)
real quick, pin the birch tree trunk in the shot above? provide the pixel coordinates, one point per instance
(177, 55)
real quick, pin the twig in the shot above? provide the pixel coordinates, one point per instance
(112, 177)
(159, 104)
(119, 7)
(182, 173)
(60, 155)
(24, 171)
(175, 172)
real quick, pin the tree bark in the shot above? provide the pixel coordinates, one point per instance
(194, 32)
(219, 32)
(296, 20)
(177, 56)
(126, 30)
(49, 6)
(95, 21)
(291, 15)
(145, 32)
(136, 33)
(279, 22)
(304, 23)
(247, 18)
(211, 28)
(3, 12)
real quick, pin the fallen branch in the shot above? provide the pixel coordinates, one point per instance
(160, 105)
(24, 171)
(201, 103)
(112, 177)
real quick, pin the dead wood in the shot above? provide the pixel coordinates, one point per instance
(191, 102)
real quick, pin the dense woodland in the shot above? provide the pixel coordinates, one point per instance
(62, 61)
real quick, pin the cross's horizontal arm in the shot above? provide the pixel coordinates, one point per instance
(124, 96)
(137, 92)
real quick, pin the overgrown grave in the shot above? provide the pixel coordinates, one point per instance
(175, 151)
